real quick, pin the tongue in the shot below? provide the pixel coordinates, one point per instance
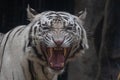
(56, 60)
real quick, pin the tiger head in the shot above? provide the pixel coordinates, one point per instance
(57, 36)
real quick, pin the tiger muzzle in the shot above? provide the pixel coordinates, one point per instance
(56, 54)
(56, 57)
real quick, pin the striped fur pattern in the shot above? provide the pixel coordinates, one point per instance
(41, 49)
(1, 36)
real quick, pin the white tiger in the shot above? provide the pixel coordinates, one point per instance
(41, 49)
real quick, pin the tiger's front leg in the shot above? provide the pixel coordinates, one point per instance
(11, 69)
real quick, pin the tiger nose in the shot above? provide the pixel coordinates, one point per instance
(58, 42)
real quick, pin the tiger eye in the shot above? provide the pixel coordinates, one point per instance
(46, 28)
(69, 28)
(45, 24)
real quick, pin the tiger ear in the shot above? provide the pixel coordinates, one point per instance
(30, 13)
(82, 16)
(84, 41)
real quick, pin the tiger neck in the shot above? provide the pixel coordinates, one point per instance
(42, 73)
(49, 75)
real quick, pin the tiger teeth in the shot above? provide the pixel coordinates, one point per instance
(51, 51)
(58, 48)
(65, 52)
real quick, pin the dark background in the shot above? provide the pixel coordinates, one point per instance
(13, 12)
(102, 60)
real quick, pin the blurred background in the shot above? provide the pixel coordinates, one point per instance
(13, 13)
(102, 60)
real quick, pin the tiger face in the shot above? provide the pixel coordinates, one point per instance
(57, 36)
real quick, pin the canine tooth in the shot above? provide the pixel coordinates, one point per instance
(51, 51)
(65, 51)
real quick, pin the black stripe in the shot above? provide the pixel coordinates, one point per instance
(2, 40)
(38, 54)
(4, 48)
(31, 68)
(29, 42)
(23, 71)
(35, 29)
(24, 47)
(44, 72)
(31, 28)
(30, 31)
(21, 29)
(16, 32)
(5, 35)
(76, 51)
(67, 56)
(13, 76)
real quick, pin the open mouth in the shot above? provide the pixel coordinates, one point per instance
(56, 57)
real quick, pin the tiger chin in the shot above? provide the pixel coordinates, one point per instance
(41, 49)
